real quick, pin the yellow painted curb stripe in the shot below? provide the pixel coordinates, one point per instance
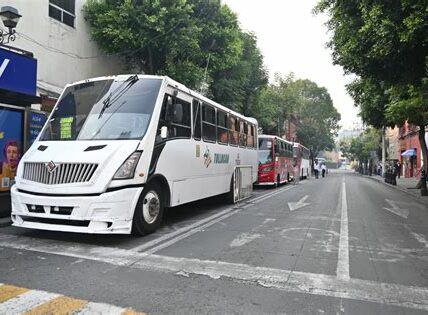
(60, 305)
(9, 291)
(132, 312)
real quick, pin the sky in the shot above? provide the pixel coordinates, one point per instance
(292, 39)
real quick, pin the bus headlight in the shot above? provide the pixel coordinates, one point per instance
(127, 169)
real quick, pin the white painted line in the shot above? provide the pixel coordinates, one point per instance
(404, 213)
(297, 205)
(212, 222)
(301, 282)
(99, 308)
(419, 237)
(244, 238)
(26, 301)
(197, 225)
(342, 270)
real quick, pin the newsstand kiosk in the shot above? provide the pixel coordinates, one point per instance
(19, 123)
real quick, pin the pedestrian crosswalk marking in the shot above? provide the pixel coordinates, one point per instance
(25, 301)
(59, 305)
(8, 291)
(17, 300)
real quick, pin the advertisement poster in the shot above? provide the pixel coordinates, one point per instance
(37, 121)
(11, 138)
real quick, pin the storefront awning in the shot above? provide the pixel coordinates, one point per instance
(409, 152)
(19, 99)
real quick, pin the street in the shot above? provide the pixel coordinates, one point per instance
(344, 244)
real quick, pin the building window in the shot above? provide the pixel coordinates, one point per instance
(63, 11)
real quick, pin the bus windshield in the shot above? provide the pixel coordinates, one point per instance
(103, 110)
(265, 151)
(265, 156)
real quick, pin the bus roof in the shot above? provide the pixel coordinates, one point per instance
(171, 82)
(275, 137)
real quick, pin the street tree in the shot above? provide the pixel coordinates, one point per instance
(175, 38)
(239, 87)
(386, 45)
(318, 118)
(310, 105)
(366, 149)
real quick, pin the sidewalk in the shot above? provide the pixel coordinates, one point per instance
(406, 185)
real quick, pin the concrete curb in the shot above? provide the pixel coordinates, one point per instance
(403, 189)
(5, 222)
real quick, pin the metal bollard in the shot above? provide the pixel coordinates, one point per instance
(424, 191)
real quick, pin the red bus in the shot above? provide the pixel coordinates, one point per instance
(275, 160)
(301, 157)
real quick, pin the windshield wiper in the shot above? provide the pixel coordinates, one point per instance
(117, 93)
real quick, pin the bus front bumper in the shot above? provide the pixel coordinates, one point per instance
(107, 213)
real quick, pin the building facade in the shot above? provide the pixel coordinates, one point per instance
(410, 150)
(56, 32)
(392, 144)
(53, 47)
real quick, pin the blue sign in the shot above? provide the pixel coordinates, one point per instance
(18, 73)
(37, 121)
(11, 138)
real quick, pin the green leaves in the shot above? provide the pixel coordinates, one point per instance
(309, 105)
(196, 42)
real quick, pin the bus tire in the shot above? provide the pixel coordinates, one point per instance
(278, 181)
(230, 196)
(148, 211)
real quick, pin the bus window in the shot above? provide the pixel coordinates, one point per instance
(197, 120)
(242, 135)
(250, 136)
(222, 131)
(180, 124)
(208, 123)
(234, 134)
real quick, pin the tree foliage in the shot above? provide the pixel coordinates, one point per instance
(196, 42)
(385, 43)
(308, 103)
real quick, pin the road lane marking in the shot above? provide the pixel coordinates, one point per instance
(25, 301)
(404, 213)
(9, 291)
(202, 224)
(290, 281)
(32, 302)
(300, 204)
(419, 237)
(58, 305)
(342, 270)
(244, 238)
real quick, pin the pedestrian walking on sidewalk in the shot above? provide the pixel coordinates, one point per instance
(398, 169)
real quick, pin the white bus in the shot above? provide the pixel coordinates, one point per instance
(117, 150)
(301, 155)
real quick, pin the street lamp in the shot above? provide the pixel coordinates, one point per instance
(10, 17)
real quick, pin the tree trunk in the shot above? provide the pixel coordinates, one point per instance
(424, 162)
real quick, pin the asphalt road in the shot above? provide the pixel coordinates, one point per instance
(340, 244)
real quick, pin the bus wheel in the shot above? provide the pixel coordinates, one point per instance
(230, 196)
(149, 211)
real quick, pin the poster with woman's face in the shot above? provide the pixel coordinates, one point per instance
(11, 137)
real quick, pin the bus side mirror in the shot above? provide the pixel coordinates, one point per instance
(164, 132)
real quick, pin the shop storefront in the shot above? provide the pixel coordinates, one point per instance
(19, 123)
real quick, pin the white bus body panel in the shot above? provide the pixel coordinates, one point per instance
(197, 168)
(106, 211)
